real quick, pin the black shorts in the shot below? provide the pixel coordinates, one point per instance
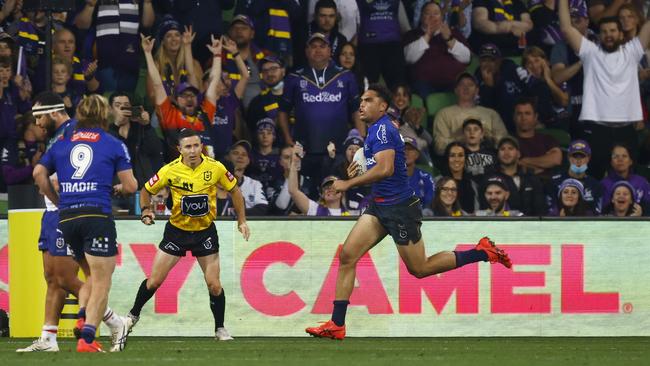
(88, 230)
(401, 220)
(201, 243)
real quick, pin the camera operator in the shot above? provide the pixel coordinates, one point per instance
(131, 125)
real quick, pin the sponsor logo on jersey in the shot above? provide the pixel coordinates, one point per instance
(195, 205)
(85, 136)
(230, 177)
(153, 180)
(171, 246)
(381, 134)
(322, 97)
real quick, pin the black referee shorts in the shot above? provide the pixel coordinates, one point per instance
(201, 243)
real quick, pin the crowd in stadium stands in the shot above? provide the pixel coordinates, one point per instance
(506, 107)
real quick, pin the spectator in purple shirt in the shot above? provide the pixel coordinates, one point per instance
(621, 169)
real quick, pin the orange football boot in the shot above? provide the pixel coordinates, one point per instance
(82, 346)
(327, 330)
(494, 253)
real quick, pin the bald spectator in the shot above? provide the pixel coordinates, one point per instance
(448, 123)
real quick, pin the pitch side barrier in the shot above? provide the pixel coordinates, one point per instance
(571, 277)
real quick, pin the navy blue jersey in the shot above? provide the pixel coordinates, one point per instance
(422, 183)
(62, 130)
(323, 101)
(384, 135)
(85, 162)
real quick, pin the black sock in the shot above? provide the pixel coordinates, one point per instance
(218, 307)
(141, 298)
(338, 314)
(470, 256)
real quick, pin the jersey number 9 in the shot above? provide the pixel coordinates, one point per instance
(81, 157)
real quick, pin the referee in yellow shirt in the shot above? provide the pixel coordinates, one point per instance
(192, 179)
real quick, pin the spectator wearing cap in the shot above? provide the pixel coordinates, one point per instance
(448, 123)
(267, 103)
(481, 155)
(276, 24)
(539, 152)
(330, 202)
(420, 181)
(526, 190)
(434, 52)
(621, 168)
(205, 17)
(571, 200)
(500, 81)
(454, 167)
(325, 21)
(338, 164)
(579, 155)
(623, 202)
(174, 58)
(265, 165)
(502, 22)
(117, 27)
(255, 200)
(611, 103)
(280, 201)
(496, 193)
(227, 121)
(242, 31)
(566, 66)
(182, 110)
(379, 39)
(324, 99)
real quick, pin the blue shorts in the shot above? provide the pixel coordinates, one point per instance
(51, 239)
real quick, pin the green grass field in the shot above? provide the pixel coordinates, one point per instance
(352, 351)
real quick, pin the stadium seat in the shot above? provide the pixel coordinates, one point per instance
(437, 101)
(561, 136)
(516, 59)
(416, 101)
(473, 65)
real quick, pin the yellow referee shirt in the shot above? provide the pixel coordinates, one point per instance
(194, 191)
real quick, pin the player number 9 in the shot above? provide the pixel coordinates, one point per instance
(81, 157)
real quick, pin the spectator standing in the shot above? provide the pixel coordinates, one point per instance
(324, 99)
(379, 40)
(267, 103)
(325, 22)
(611, 102)
(117, 25)
(242, 31)
(502, 22)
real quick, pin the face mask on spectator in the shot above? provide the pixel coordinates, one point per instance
(578, 169)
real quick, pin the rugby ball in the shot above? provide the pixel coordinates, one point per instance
(360, 159)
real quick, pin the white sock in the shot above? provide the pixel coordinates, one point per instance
(111, 319)
(48, 333)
